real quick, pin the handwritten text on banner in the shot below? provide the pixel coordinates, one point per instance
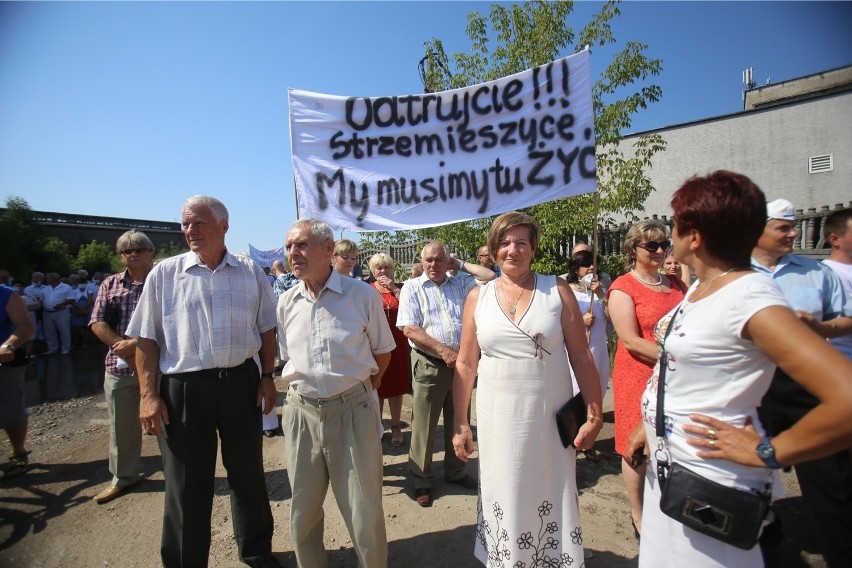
(385, 163)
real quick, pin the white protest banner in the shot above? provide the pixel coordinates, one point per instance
(266, 257)
(412, 161)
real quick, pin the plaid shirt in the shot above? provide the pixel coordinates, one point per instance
(284, 283)
(117, 298)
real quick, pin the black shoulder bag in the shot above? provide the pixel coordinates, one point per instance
(728, 514)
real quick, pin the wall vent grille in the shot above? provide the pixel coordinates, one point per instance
(819, 164)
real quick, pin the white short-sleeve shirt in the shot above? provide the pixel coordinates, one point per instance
(329, 342)
(203, 318)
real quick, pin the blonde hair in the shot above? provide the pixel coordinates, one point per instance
(647, 229)
(379, 259)
(345, 246)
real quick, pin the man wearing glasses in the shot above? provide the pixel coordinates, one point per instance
(114, 304)
(484, 259)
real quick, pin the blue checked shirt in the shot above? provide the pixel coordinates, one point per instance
(435, 308)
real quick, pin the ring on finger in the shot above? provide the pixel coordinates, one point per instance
(712, 443)
(711, 433)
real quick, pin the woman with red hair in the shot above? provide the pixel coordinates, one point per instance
(721, 349)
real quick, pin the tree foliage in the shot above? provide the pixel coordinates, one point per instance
(24, 250)
(58, 256)
(97, 257)
(515, 37)
(170, 249)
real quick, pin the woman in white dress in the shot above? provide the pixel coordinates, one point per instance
(589, 292)
(518, 334)
(726, 337)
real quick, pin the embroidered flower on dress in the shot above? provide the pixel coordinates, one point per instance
(551, 543)
(498, 511)
(544, 509)
(552, 527)
(525, 541)
(577, 535)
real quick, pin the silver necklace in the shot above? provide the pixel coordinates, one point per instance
(710, 285)
(513, 306)
(639, 278)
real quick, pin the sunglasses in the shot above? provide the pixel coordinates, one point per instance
(128, 252)
(654, 246)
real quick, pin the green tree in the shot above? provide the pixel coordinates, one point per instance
(96, 257)
(516, 37)
(58, 257)
(170, 249)
(25, 241)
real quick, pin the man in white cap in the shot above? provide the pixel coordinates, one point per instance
(816, 295)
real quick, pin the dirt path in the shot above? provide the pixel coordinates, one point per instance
(48, 518)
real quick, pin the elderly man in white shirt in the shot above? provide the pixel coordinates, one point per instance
(335, 336)
(58, 298)
(430, 315)
(203, 319)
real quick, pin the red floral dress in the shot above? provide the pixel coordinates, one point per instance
(395, 381)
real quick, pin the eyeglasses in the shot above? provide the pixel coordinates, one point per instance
(128, 252)
(654, 246)
(585, 264)
(482, 256)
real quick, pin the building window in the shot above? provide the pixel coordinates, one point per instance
(819, 164)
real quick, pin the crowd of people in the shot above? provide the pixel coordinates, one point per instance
(733, 360)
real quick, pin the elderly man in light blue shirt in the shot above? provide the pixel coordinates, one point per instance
(430, 315)
(816, 295)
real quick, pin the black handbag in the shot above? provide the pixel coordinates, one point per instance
(728, 514)
(569, 418)
(22, 357)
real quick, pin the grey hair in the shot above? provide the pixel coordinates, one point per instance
(83, 272)
(435, 244)
(319, 229)
(220, 212)
(133, 238)
(380, 258)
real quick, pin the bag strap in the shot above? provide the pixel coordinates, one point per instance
(663, 466)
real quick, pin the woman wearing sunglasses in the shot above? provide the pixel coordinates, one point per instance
(637, 301)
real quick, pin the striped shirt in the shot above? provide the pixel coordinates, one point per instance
(115, 303)
(435, 308)
(203, 318)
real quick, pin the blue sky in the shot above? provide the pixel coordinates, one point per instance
(125, 109)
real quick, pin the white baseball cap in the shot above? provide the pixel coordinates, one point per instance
(780, 209)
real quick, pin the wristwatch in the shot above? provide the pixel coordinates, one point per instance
(766, 453)
(266, 375)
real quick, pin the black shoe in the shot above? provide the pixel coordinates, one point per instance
(467, 482)
(270, 433)
(423, 497)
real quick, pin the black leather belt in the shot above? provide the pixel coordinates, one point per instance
(218, 372)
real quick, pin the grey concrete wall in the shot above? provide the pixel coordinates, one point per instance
(771, 146)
